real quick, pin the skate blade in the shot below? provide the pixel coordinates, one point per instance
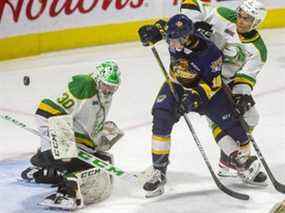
(49, 204)
(229, 173)
(225, 175)
(240, 180)
(255, 184)
(32, 183)
(151, 194)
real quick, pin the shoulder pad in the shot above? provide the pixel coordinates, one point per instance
(82, 86)
(190, 4)
(227, 13)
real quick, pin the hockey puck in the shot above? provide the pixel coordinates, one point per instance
(26, 80)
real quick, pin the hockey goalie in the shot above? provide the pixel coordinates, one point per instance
(76, 120)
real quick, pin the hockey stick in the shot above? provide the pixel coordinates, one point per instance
(85, 156)
(278, 186)
(195, 137)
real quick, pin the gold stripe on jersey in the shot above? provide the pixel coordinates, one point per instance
(208, 90)
(243, 79)
(160, 138)
(84, 140)
(218, 133)
(160, 145)
(217, 82)
(190, 4)
(50, 107)
(160, 152)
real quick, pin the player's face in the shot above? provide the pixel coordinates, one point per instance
(175, 44)
(244, 22)
(107, 89)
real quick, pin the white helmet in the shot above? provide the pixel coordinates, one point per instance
(255, 9)
(108, 76)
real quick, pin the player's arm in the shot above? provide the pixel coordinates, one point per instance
(196, 98)
(80, 88)
(245, 79)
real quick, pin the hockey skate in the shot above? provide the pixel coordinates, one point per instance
(155, 185)
(35, 174)
(67, 197)
(248, 169)
(225, 170)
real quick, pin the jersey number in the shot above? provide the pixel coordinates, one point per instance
(66, 101)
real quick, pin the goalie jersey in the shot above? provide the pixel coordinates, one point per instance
(85, 103)
(245, 54)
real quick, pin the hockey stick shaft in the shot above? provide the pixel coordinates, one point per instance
(83, 155)
(196, 139)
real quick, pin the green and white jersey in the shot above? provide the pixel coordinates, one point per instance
(88, 106)
(245, 54)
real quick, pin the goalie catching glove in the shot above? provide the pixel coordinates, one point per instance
(110, 135)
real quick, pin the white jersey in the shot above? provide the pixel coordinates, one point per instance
(87, 105)
(245, 54)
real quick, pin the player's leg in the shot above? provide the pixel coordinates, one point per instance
(82, 185)
(164, 116)
(44, 169)
(233, 139)
(225, 170)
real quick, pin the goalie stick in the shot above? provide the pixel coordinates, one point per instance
(85, 156)
(195, 137)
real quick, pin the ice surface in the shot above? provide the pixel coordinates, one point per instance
(190, 188)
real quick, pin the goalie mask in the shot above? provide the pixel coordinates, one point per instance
(108, 77)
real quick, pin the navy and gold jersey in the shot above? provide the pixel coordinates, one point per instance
(205, 60)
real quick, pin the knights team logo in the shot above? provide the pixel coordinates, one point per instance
(179, 24)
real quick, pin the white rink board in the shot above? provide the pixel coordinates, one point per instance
(267, 3)
(44, 16)
(23, 17)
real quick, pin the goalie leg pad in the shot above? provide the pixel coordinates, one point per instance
(95, 185)
(62, 138)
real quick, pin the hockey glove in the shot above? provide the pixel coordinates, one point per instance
(149, 35)
(161, 26)
(243, 103)
(204, 28)
(111, 134)
(190, 101)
